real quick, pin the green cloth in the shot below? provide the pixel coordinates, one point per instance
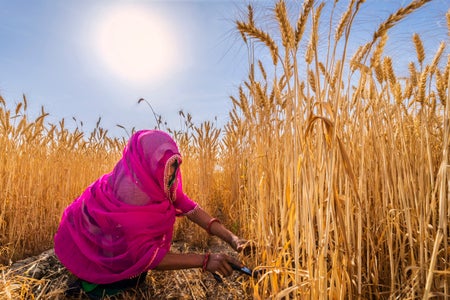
(96, 290)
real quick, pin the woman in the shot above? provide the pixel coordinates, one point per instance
(122, 224)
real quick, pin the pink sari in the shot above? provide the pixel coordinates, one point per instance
(122, 224)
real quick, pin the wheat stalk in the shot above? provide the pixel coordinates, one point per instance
(343, 21)
(389, 71)
(419, 48)
(258, 34)
(286, 30)
(395, 18)
(301, 22)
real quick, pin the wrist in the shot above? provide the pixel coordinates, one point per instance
(205, 261)
(210, 224)
(234, 241)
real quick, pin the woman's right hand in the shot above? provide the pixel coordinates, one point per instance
(220, 263)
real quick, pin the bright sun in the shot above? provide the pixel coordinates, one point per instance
(137, 45)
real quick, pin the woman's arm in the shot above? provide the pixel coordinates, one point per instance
(203, 219)
(176, 261)
(214, 262)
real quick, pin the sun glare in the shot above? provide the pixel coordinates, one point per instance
(136, 44)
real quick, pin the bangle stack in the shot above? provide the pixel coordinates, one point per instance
(205, 261)
(208, 227)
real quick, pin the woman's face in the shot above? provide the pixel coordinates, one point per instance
(172, 173)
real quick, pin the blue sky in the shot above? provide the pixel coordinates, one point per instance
(50, 52)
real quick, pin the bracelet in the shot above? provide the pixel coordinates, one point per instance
(205, 261)
(208, 227)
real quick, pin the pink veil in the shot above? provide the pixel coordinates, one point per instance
(122, 224)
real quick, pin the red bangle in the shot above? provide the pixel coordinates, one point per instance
(205, 261)
(208, 227)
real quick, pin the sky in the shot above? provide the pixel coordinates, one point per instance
(86, 59)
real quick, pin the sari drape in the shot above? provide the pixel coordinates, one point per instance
(122, 224)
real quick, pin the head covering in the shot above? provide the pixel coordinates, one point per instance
(122, 224)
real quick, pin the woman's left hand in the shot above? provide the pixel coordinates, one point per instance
(242, 245)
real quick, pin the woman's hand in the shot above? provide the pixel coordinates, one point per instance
(220, 263)
(204, 220)
(242, 245)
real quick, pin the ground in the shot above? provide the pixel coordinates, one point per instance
(43, 277)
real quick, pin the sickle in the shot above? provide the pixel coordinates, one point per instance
(244, 270)
(247, 271)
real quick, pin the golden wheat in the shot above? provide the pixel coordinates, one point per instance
(396, 17)
(419, 48)
(343, 22)
(316, 221)
(258, 34)
(340, 183)
(286, 30)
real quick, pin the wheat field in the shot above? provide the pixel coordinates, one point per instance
(333, 165)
